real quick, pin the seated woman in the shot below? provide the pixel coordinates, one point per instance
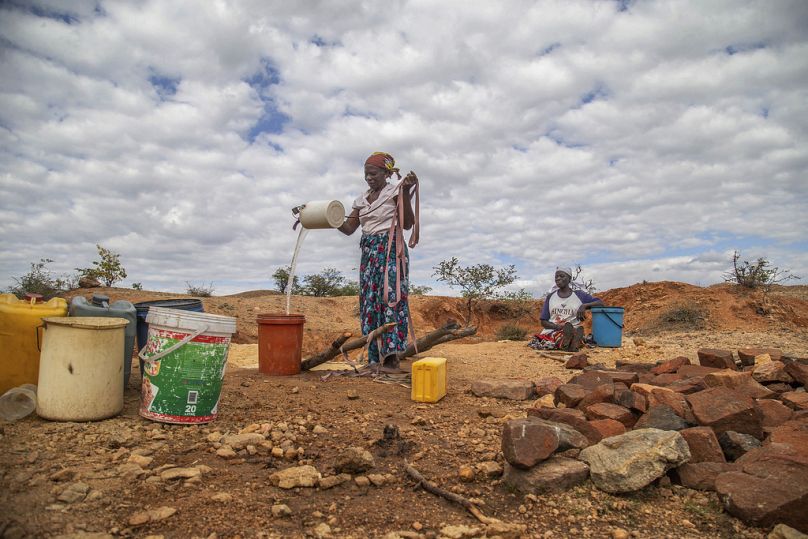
(561, 316)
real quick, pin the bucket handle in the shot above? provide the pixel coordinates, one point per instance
(612, 319)
(163, 353)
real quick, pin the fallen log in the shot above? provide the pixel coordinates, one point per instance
(327, 355)
(333, 351)
(439, 336)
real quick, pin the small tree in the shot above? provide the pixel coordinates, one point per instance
(39, 280)
(476, 283)
(756, 274)
(419, 290)
(108, 270)
(281, 277)
(326, 283)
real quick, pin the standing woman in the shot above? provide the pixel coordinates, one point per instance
(382, 211)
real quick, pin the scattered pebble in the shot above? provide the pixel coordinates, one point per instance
(281, 510)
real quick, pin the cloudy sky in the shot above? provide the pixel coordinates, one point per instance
(644, 140)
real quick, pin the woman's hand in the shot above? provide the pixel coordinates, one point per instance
(410, 180)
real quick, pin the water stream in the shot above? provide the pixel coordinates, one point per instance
(293, 267)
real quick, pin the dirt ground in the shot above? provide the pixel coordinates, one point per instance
(40, 461)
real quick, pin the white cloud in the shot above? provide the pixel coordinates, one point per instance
(646, 144)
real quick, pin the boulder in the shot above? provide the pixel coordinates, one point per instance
(773, 412)
(633, 460)
(89, 282)
(793, 433)
(687, 386)
(689, 371)
(739, 381)
(517, 390)
(748, 355)
(703, 444)
(577, 361)
(528, 441)
(547, 385)
(798, 371)
(676, 401)
(666, 379)
(608, 427)
(601, 393)
(714, 357)
(670, 366)
(725, 410)
(297, 476)
(796, 400)
(574, 418)
(570, 394)
(605, 410)
(781, 531)
(555, 474)
(631, 400)
(662, 417)
(735, 444)
(354, 460)
(628, 366)
(702, 475)
(774, 371)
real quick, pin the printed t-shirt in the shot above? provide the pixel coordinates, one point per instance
(562, 310)
(377, 217)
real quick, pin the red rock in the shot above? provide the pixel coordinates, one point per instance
(724, 410)
(605, 410)
(662, 417)
(797, 400)
(695, 370)
(574, 418)
(602, 393)
(773, 412)
(772, 488)
(628, 366)
(570, 394)
(547, 385)
(525, 442)
(793, 433)
(739, 381)
(555, 474)
(631, 400)
(608, 427)
(577, 361)
(592, 379)
(668, 378)
(773, 371)
(747, 355)
(713, 357)
(798, 372)
(670, 366)
(779, 387)
(687, 385)
(703, 443)
(702, 475)
(677, 401)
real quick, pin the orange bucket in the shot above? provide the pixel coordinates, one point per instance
(280, 343)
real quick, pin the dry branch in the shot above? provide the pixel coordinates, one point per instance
(452, 497)
(327, 355)
(333, 352)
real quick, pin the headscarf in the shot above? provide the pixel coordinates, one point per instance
(565, 269)
(383, 160)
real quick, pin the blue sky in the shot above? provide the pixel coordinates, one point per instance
(643, 140)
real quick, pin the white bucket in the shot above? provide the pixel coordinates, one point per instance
(184, 362)
(81, 368)
(322, 214)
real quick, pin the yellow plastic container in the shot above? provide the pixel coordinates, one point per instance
(19, 354)
(429, 379)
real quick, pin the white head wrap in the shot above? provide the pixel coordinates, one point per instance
(565, 269)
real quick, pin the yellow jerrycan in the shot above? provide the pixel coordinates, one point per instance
(19, 333)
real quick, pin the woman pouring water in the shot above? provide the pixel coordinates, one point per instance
(383, 212)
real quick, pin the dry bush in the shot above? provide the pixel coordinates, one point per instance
(511, 332)
(684, 316)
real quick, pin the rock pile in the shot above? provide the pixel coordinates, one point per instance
(737, 427)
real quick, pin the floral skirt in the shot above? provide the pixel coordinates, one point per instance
(373, 308)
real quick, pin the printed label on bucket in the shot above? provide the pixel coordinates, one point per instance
(183, 386)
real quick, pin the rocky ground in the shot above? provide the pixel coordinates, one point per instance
(127, 476)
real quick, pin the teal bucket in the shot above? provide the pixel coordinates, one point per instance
(607, 326)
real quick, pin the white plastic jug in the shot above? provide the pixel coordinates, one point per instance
(81, 368)
(321, 214)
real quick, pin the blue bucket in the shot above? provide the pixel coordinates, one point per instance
(607, 326)
(142, 308)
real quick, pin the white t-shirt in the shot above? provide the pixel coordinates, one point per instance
(563, 310)
(377, 217)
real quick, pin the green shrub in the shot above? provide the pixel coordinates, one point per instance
(200, 291)
(511, 332)
(108, 270)
(39, 280)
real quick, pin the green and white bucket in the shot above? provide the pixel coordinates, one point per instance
(184, 362)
